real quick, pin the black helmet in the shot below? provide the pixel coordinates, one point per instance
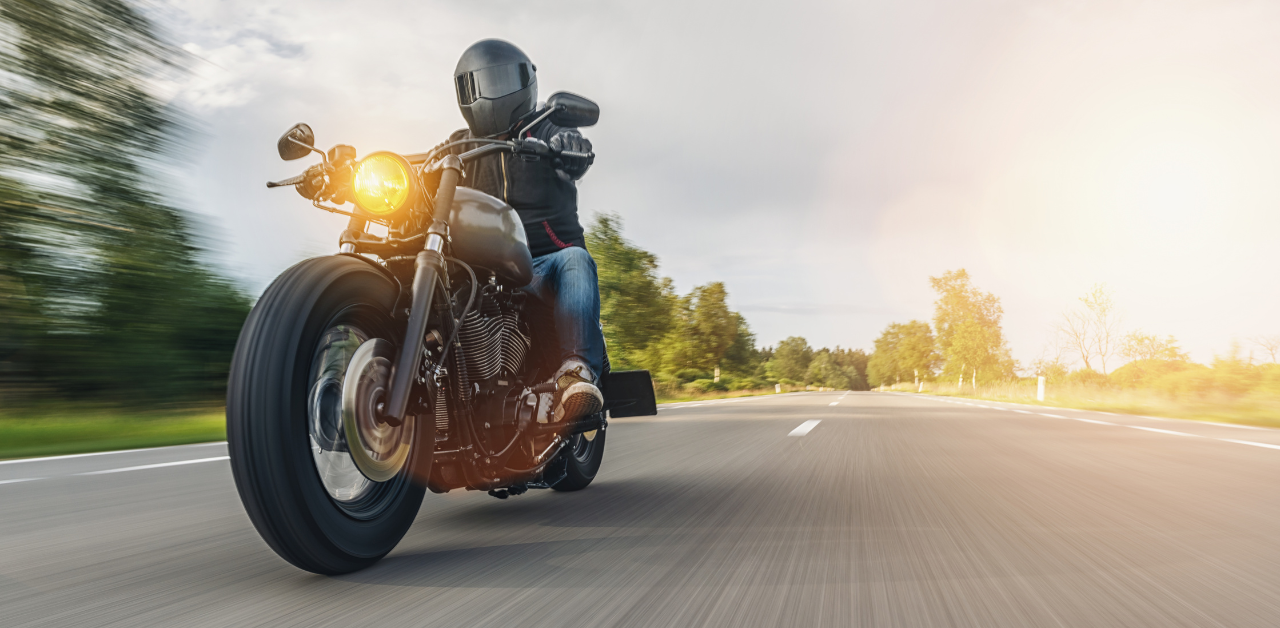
(496, 86)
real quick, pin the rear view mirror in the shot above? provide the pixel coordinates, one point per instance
(296, 142)
(572, 110)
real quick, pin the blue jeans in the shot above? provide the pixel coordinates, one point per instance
(565, 281)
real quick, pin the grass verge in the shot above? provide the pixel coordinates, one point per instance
(1261, 410)
(85, 431)
(665, 397)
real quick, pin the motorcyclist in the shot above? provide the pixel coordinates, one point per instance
(497, 90)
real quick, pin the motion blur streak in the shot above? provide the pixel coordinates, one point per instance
(102, 292)
(897, 511)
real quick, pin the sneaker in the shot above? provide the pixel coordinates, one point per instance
(576, 392)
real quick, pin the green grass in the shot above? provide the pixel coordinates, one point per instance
(72, 431)
(668, 397)
(1261, 409)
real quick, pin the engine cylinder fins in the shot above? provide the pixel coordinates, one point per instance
(492, 340)
(441, 411)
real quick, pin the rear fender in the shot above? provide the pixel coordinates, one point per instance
(628, 393)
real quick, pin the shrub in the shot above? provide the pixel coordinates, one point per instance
(1088, 377)
(691, 375)
(705, 385)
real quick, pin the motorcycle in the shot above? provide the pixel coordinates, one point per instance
(406, 362)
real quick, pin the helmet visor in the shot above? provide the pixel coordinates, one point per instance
(493, 82)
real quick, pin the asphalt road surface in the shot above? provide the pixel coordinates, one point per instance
(813, 509)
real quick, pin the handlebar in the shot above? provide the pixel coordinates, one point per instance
(287, 182)
(530, 146)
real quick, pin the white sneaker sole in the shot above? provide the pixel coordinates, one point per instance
(579, 400)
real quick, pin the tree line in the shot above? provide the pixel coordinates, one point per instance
(103, 293)
(694, 342)
(965, 346)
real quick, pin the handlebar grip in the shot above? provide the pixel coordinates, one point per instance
(569, 153)
(290, 181)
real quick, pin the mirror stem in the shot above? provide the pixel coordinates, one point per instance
(323, 157)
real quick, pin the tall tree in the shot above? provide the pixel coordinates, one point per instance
(1092, 328)
(636, 306)
(904, 352)
(967, 323)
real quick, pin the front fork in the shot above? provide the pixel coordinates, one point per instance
(428, 267)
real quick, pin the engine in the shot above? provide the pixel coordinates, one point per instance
(491, 350)
(492, 342)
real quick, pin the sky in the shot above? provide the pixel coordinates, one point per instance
(822, 159)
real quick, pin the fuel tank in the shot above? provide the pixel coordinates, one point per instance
(487, 233)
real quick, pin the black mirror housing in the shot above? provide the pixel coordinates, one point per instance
(572, 110)
(296, 143)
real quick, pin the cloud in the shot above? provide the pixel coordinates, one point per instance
(815, 153)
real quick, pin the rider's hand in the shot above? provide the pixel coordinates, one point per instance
(572, 141)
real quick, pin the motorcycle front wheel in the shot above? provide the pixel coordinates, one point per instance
(290, 458)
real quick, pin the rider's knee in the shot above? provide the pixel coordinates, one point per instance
(576, 257)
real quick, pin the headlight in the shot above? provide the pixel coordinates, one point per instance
(383, 184)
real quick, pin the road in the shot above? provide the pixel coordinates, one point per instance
(812, 509)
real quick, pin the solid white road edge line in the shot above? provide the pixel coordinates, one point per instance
(156, 466)
(834, 403)
(805, 427)
(19, 480)
(1248, 442)
(1160, 431)
(105, 453)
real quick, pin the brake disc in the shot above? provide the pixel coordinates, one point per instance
(379, 449)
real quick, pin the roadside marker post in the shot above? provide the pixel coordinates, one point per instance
(1040, 389)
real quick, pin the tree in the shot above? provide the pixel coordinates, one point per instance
(742, 357)
(1092, 329)
(1270, 344)
(904, 352)
(1139, 346)
(967, 323)
(636, 306)
(791, 359)
(712, 326)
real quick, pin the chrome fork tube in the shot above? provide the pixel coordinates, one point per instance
(428, 267)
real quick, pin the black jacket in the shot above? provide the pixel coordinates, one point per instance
(545, 199)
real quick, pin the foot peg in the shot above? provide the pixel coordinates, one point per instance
(503, 493)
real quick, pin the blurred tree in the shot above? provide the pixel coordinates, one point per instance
(636, 306)
(103, 271)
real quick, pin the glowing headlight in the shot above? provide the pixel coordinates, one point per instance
(383, 184)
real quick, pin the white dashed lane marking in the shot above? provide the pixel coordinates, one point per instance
(804, 428)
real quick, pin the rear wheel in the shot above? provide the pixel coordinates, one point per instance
(584, 453)
(291, 454)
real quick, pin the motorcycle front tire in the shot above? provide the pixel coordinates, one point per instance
(267, 419)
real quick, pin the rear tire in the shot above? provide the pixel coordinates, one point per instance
(268, 430)
(584, 457)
